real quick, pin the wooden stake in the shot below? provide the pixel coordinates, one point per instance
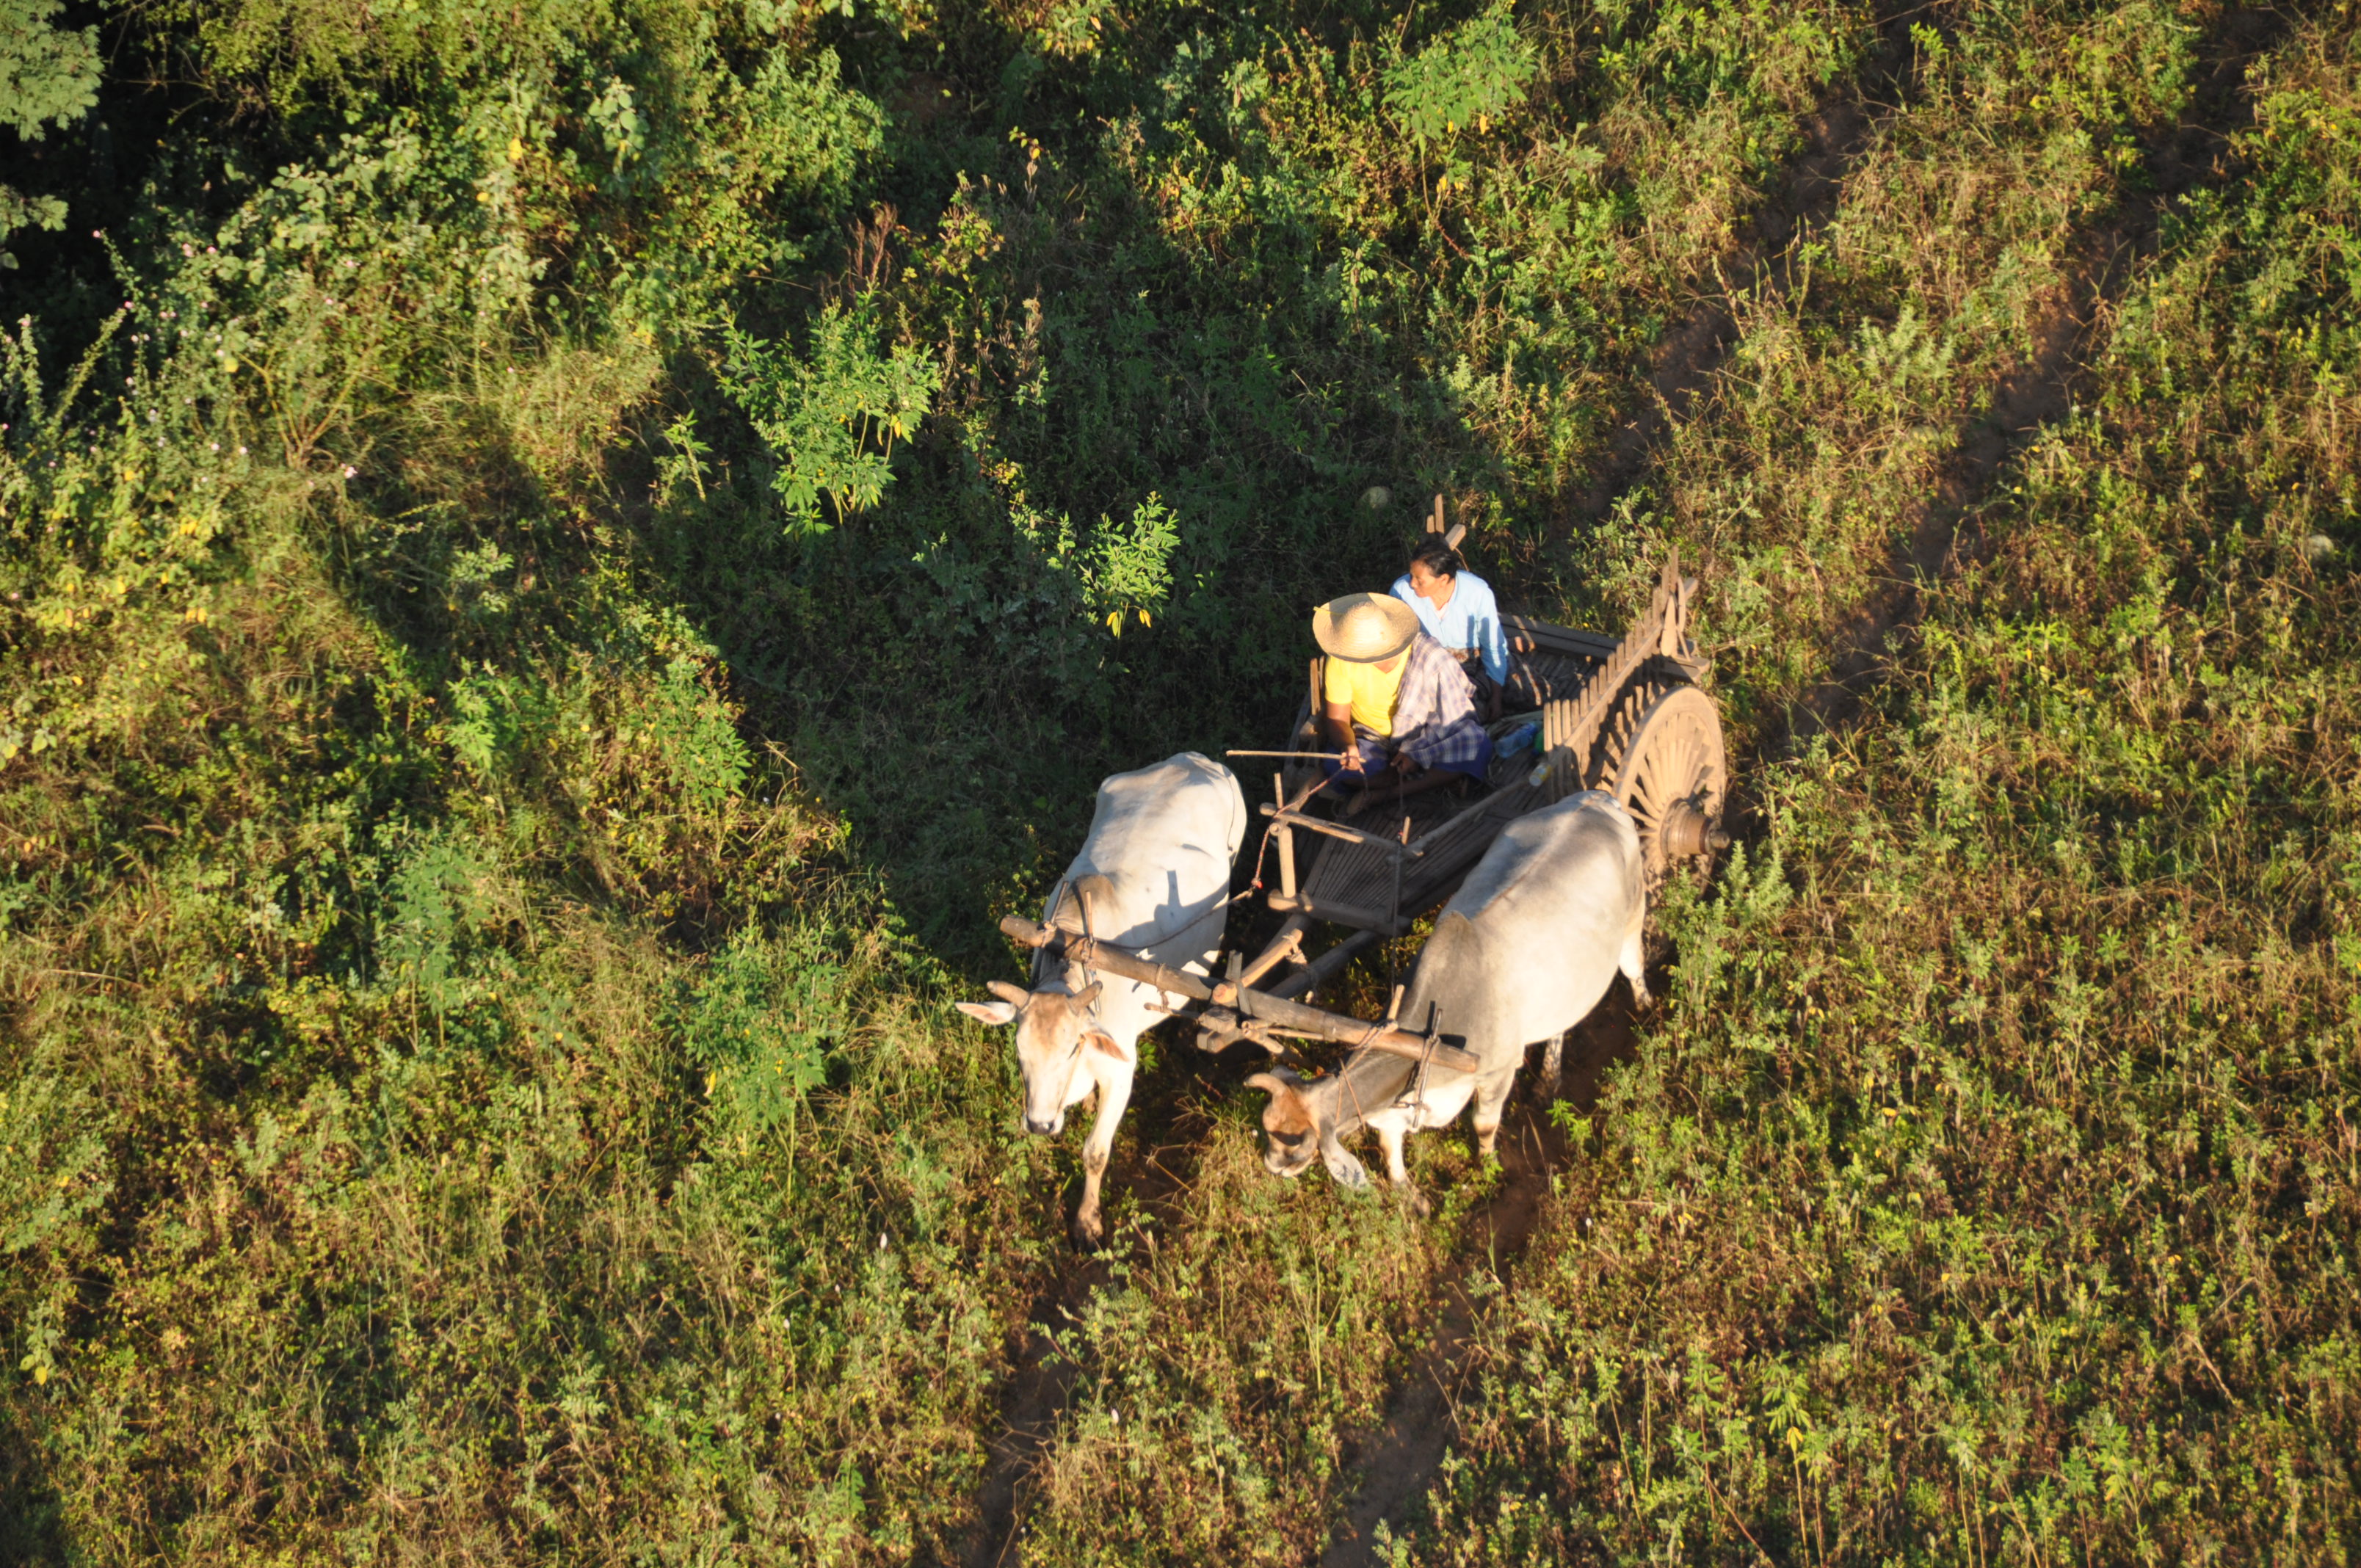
(1286, 841)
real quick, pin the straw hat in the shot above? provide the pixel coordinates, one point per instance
(1363, 628)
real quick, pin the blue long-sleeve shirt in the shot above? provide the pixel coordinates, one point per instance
(1472, 620)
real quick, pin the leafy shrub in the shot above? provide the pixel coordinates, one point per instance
(831, 420)
(46, 77)
(1479, 70)
(761, 1023)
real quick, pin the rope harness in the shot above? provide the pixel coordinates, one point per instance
(1360, 1112)
(1416, 1096)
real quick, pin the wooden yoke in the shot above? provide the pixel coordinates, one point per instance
(1293, 1017)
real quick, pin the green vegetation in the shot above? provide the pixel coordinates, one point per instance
(562, 568)
(1990, 1189)
(46, 77)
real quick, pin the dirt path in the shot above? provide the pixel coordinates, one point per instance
(1400, 1460)
(2044, 387)
(1153, 1179)
(1797, 205)
(1397, 1462)
(1172, 1113)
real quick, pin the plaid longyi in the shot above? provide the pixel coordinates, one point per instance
(1434, 716)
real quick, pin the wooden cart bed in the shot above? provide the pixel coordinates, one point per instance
(1605, 724)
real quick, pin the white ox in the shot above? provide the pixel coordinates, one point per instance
(1523, 952)
(1157, 866)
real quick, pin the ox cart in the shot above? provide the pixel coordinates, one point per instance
(1628, 715)
(1625, 716)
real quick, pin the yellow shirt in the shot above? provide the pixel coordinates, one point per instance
(1372, 691)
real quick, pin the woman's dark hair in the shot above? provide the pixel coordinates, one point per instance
(1440, 558)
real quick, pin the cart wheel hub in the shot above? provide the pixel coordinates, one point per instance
(1685, 831)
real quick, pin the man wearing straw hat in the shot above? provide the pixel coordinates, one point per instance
(1394, 701)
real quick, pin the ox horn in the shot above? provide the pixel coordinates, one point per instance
(1090, 992)
(1014, 995)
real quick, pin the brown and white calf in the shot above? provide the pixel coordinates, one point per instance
(1157, 864)
(1523, 952)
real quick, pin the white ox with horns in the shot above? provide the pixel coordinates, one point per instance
(1152, 878)
(1523, 952)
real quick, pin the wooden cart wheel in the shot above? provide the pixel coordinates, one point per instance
(1671, 776)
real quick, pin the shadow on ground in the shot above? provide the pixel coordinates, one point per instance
(1402, 1459)
(2043, 387)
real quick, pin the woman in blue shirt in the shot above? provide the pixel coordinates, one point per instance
(1457, 609)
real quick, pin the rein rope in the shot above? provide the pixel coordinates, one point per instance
(1360, 1113)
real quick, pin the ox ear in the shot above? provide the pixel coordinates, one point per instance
(1014, 995)
(1100, 1040)
(1342, 1170)
(993, 1013)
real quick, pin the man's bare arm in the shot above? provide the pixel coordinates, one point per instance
(1336, 726)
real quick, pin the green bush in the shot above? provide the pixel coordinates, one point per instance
(48, 77)
(1479, 69)
(831, 424)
